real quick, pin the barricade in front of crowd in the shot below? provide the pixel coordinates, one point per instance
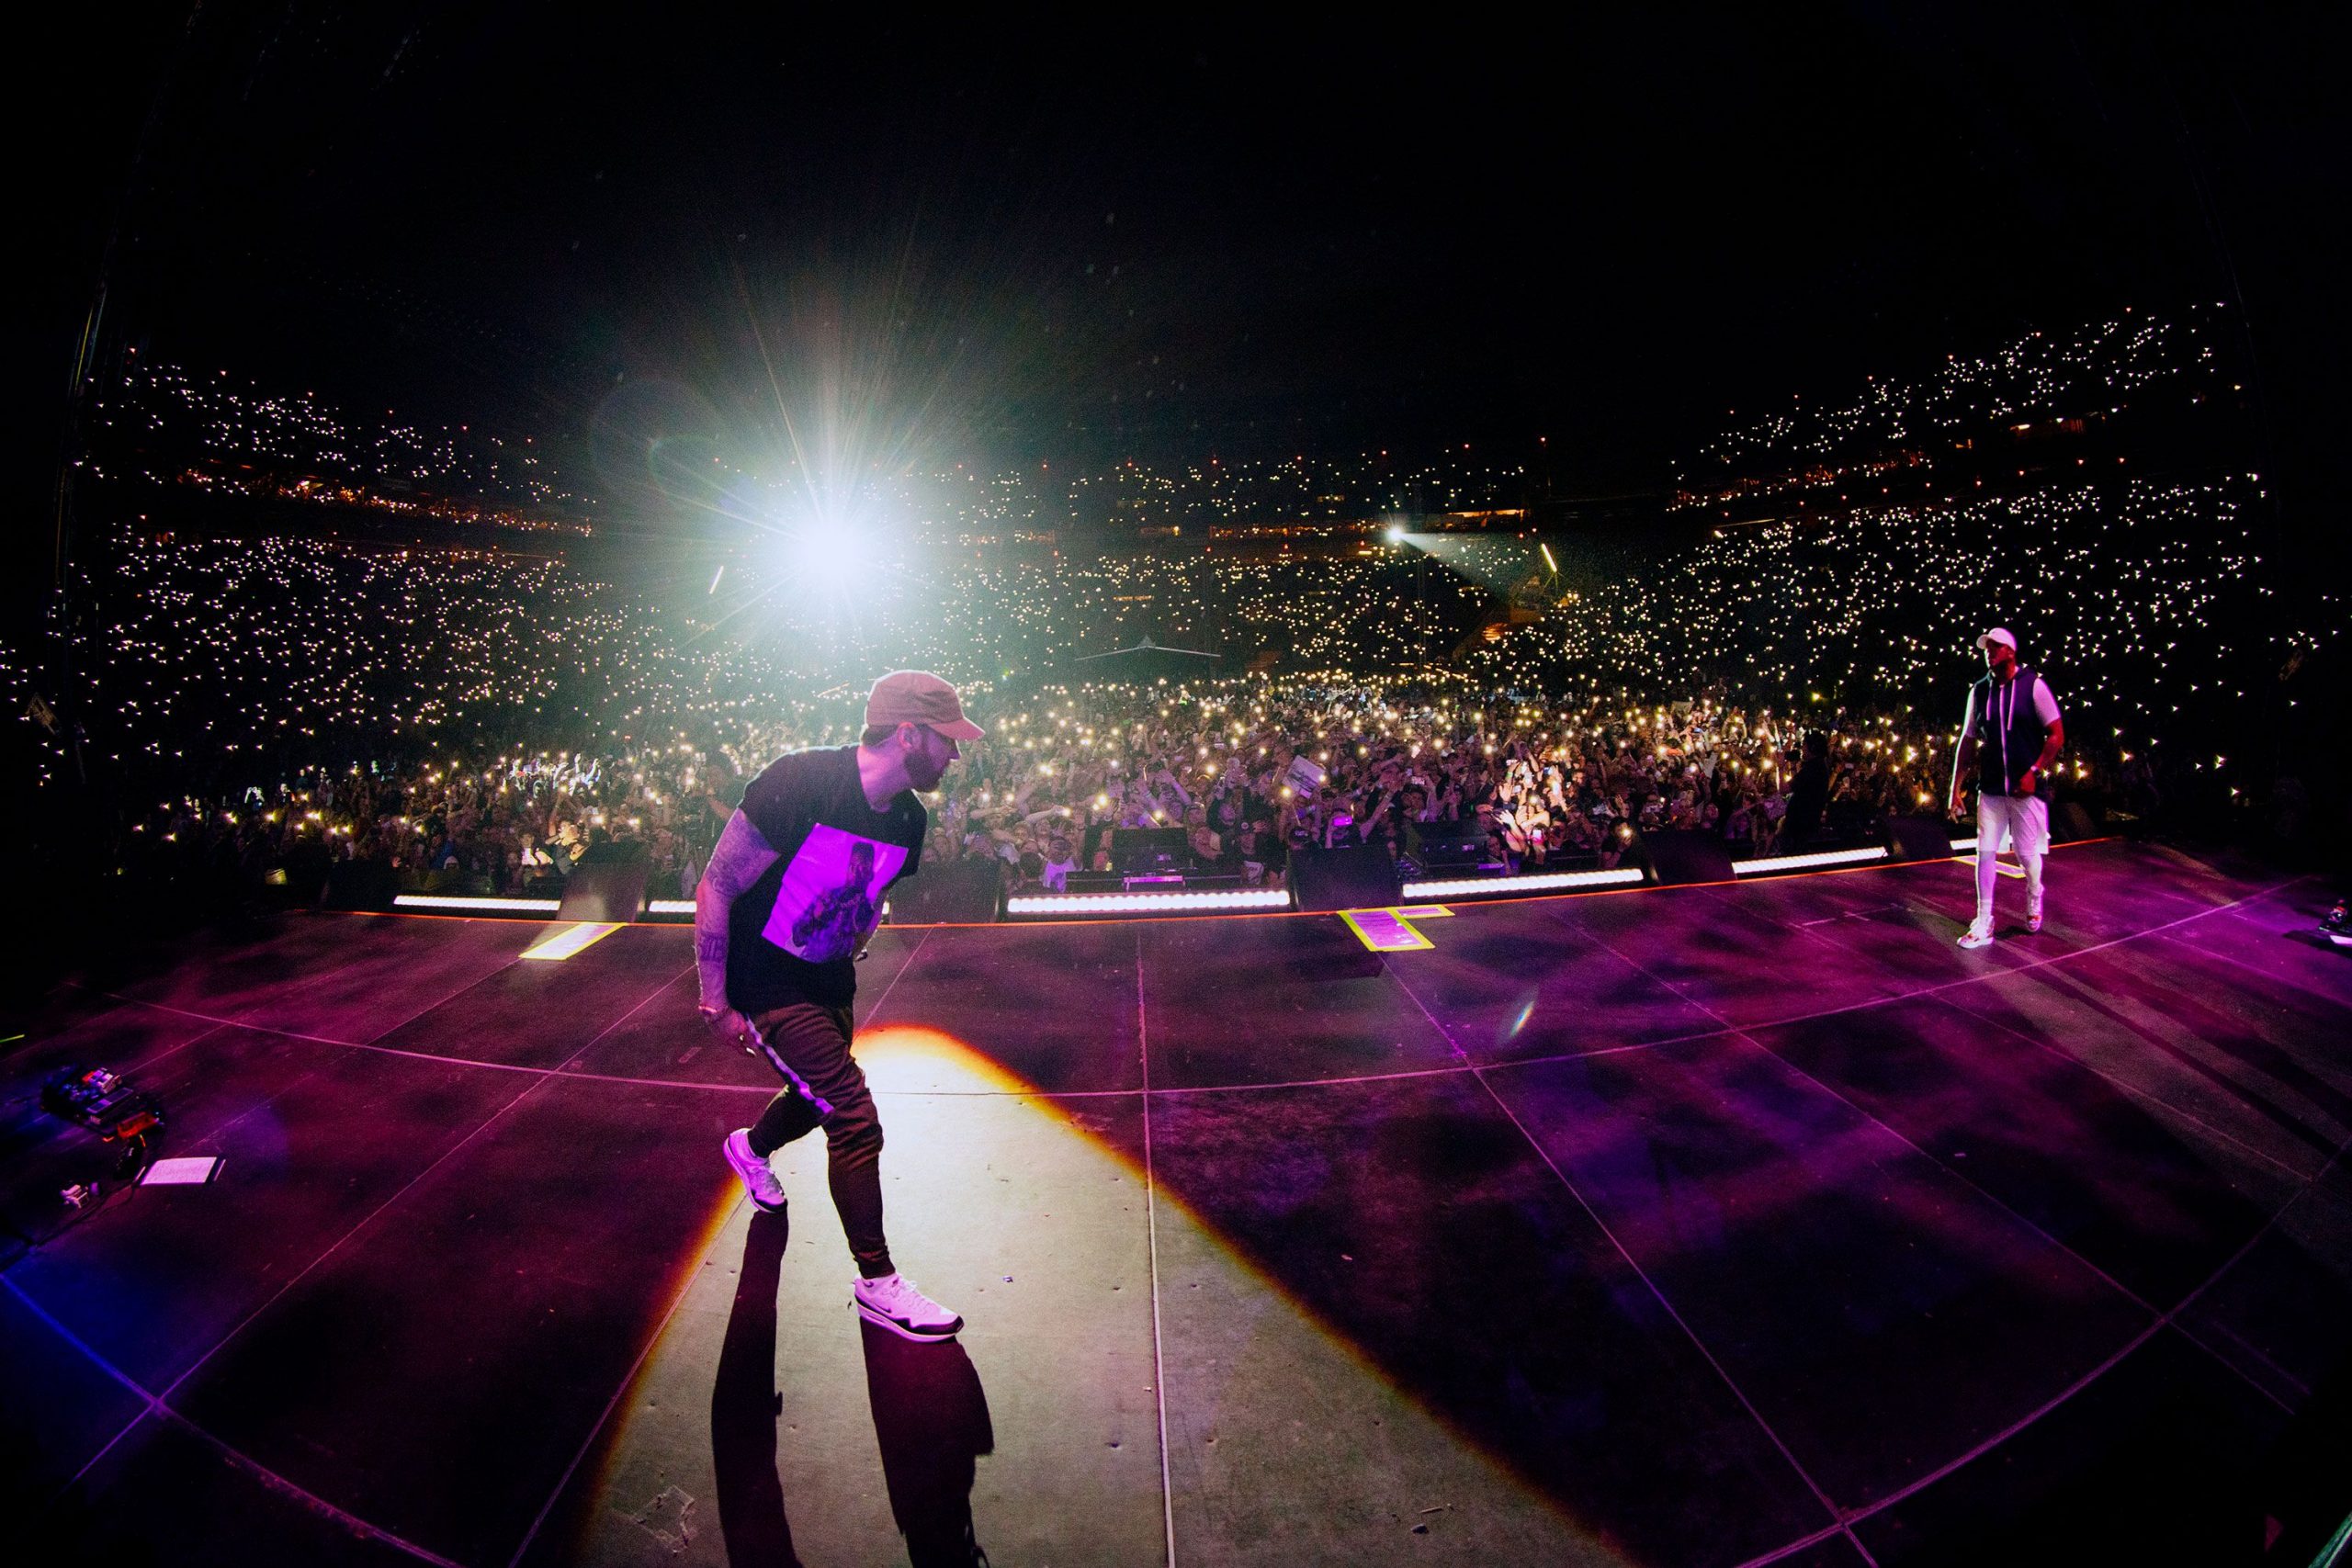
(1453, 848)
(1146, 852)
(607, 885)
(361, 884)
(963, 892)
(1684, 855)
(2071, 822)
(1920, 837)
(1363, 877)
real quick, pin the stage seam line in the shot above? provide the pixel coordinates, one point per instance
(271, 1478)
(921, 942)
(140, 1064)
(453, 996)
(1642, 1274)
(2236, 963)
(2094, 1373)
(560, 1068)
(1908, 1144)
(2124, 1085)
(543, 1076)
(1659, 1294)
(1868, 1003)
(596, 1428)
(1151, 1236)
(1306, 1083)
(155, 1406)
(1779, 1554)
(2302, 1389)
(337, 1244)
(1971, 1183)
(2163, 1320)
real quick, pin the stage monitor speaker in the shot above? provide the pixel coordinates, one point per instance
(1149, 852)
(606, 887)
(1363, 877)
(1449, 845)
(361, 884)
(1685, 855)
(2071, 823)
(1921, 838)
(967, 892)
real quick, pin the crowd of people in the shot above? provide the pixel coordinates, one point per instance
(1248, 769)
(485, 713)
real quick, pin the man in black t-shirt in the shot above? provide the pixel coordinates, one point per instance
(792, 893)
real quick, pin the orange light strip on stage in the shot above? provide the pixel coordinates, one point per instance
(564, 941)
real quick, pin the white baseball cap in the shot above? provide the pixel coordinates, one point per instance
(1998, 634)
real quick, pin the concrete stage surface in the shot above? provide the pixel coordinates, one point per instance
(1697, 1226)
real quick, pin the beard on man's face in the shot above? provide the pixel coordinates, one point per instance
(924, 771)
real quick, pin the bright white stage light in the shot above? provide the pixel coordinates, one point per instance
(1798, 863)
(1535, 882)
(824, 551)
(1964, 846)
(483, 905)
(1396, 532)
(1077, 905)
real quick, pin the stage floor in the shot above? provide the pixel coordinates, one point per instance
(1699, 1225)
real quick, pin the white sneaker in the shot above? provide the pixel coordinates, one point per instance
(1979, 934)
(767, 1192)
(2032, 921)
(893, 1303)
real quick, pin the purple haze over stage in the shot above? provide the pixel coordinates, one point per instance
(1684, 1226)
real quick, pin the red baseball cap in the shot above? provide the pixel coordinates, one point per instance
(918, 696)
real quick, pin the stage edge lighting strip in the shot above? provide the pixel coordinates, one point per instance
(670, 907)
(437, 901)
(1963, 846)
(1536, 883)
(1140, 903)
(1798, 863)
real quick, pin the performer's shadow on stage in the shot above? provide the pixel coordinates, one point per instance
(930, 1419)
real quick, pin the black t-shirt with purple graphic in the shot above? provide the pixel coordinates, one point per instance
(793, 935)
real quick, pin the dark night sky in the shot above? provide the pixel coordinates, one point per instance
(1017, 243)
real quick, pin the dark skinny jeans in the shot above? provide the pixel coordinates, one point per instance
(824, 1087)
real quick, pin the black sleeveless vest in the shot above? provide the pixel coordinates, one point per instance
(2008, 735)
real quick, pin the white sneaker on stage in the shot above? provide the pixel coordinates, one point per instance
(1979, 934)
(894, 1303)
(759, 1181)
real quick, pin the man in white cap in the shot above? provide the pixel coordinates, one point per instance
(2012, 733)
(793, 891)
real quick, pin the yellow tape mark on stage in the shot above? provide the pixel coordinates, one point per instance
(564, 941)
(1392, 930)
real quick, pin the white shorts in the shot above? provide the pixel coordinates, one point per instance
(2024, 818)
